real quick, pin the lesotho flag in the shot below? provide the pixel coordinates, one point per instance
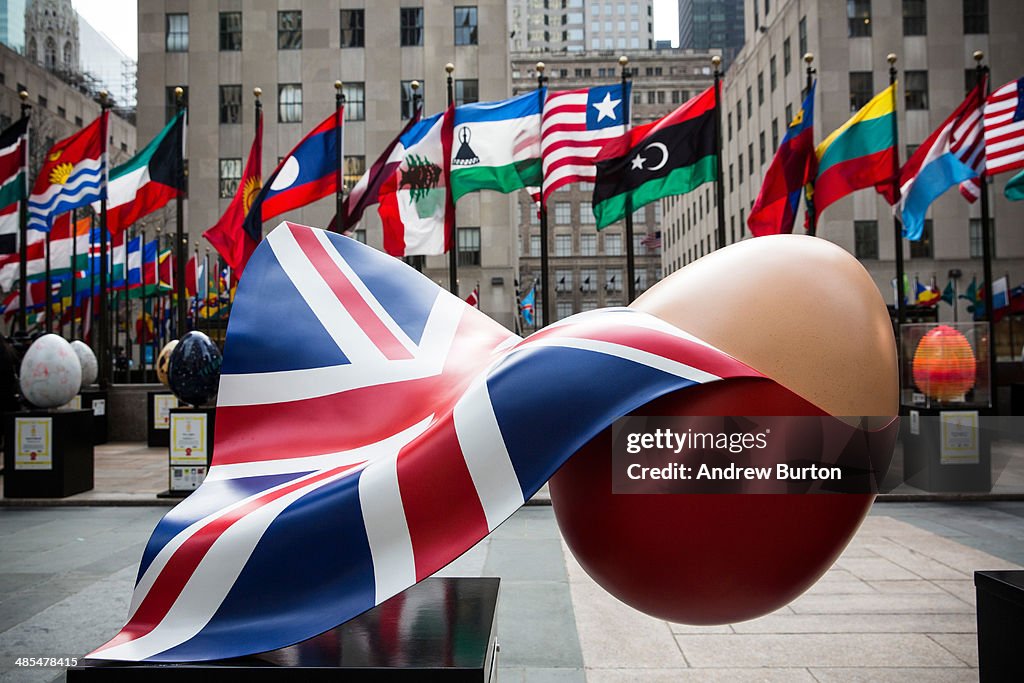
(309, 172)
(72, 175)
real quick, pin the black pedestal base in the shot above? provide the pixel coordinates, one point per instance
(922, 464)
(70, 458)
(438, 630)
(96, 401)
(1000, 625)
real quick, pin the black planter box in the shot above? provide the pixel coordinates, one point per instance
(1000, 624)
(97, 400)
(447, 629)
(70, 469)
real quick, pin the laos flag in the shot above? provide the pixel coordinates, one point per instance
(309, 172)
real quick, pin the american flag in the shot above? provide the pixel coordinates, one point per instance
(574, 127)
(1004, 128)
(967, 140)
(652, 240)
(370, 429)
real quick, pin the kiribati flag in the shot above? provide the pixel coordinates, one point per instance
(72, 175)
(309, 172)
(388, 442)
(794, 166)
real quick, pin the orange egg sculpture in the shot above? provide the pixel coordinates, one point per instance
(944, 364)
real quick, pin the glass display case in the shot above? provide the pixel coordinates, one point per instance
(945, 365)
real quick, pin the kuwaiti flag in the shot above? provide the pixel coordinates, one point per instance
(418, 451)
(496, 145)
(309, 172)
(416, 206)
(72, 175)
(13, 146)
(940, 163)
(148, 180)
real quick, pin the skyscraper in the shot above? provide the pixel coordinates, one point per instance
(705, 24)
(12, 24)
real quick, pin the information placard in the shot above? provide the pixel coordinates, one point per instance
(73, 404)
(959, 437)
(188, 439)
(187, 478)
(99, 407)
(33, 437)
(162, 404)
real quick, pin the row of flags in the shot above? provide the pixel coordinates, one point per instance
(983, 135)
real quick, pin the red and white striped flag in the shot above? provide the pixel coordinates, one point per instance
(1004, 128)
(967, 141)
(574, 127)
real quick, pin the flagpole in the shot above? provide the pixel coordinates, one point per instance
(812, 222)
(103, 345)
(127, 309)
(545, 300)
(180, 243)
(897, 227)
(74, 268)
(630, 256)
(206, 292)
(339, 101)
(88, 310)
(981, 72)
(26, 110)
(49, 285)
(453, 252)
(716, 61)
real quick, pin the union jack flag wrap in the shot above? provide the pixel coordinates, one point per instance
(371, 440)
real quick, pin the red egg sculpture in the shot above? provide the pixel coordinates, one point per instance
(821, 332)
(944, 364)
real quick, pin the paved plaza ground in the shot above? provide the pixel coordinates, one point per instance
(897, 606)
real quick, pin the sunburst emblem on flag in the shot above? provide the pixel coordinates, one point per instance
(249, 191)
(59, 174)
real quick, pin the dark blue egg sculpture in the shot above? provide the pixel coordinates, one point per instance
(195, 369)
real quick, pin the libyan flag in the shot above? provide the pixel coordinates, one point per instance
(672, 155)
(148, 180)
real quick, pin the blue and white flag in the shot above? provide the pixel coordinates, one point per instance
(73, 175)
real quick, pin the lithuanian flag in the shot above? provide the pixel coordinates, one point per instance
(859, 153)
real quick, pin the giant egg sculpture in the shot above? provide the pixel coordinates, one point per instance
(51, 373)
(90, 368)
(195, 369)
(944, 364)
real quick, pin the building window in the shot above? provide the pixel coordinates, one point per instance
(760, 88)
(586, 213)
(535, 245)
(563, 245)
(355, 99)
(729, 126)
(865, 240)
(411, 26)
(739, 115)
(230, 104)
(762, 147)
(858, 16)
(916, 89)
(640, 216)
(408, 102)
(289, 103)
(588, 245)
(789, 114)
(613, 283)
(563, 280)
(730, 178)
(352, 27)
(803, 35)
(170, 103)
(563, 309)
(773, 73)
(775, 134)
(43, 102)
(974, 232)
(230, 176)
(563, 213)
(787, 58)
(469, 246)
(915, 18)
(230, 31)
(588, 280)
(750, 102)
(613, 244)
(78, 122)
(975, 16)
(750, 159)
(360, 235)
(862, 89)
(61, 112)
(467, 91)
(353, 169)
(922, 248)
(970, 79)
(177, 33)
(740, 166)
(465, 26)
(289, 30)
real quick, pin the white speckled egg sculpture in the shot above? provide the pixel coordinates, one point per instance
(51, 373)
(90, 368)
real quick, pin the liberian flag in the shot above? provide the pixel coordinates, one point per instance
(416, 209)
(72, 175)
(496, 145)
(418, 451)
(148, 180)
(942, 161)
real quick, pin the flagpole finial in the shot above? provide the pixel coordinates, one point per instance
(891, 58)
(257, 92)
(623, 60)
(716, 61)
(978, 56)
(449, 67)
(809, 57)
(337, 85)
(415, 85)
(23, 95)
(540, 67)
